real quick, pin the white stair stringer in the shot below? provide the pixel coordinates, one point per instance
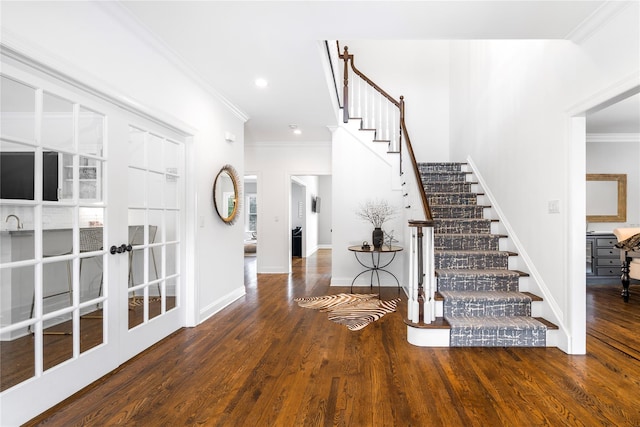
(431, 337)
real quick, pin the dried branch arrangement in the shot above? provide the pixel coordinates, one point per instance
(376, 212)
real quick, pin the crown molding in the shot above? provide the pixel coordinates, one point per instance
(288, 145)
(13, 48)
(613, 137)
(132, 24)
(596, 20)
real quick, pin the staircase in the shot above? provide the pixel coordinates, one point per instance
(478, 302)
(481, 301)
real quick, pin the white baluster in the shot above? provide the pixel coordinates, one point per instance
(429, 303)
(394, 126)
(415, 308)
(359, 97)
(386, 120)
(426, 281)
(353, 95)
(411, 279)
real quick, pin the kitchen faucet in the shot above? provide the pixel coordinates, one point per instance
(17, 219)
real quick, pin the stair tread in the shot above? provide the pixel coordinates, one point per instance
(548, 324)
(533, 297)
(447, 182)
(496, 296)
(458, 206)
(448, 193)
(465, 219)
(442, 163)
(456, 235)
(472, 252)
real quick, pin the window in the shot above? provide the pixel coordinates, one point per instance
(251, 220)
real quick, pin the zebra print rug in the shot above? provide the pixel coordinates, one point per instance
(355, 311)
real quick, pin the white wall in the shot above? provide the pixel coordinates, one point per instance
(354, 183)
(275, 164)
(509, 113)
(324, 216)
(306, 188)
(419, 71)
(297, 197)
(617, 157)
(98, 44)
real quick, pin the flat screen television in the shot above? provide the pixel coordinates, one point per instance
(17, 175)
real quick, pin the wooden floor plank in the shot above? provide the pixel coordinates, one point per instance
(265, 361)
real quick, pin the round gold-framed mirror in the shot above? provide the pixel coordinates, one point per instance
(226, 194)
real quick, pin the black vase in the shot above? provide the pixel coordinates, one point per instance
(377, 238)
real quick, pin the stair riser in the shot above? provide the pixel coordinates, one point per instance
(440, 167)
(497, 337)
(478, 283)
(468, 226)
(469, 211)
(452, 199)
(464, 261)
(486, 308)
(443, 177)
(446, 187)
(487, 242)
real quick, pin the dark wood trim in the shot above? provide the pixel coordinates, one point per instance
(414, 164)
(369, 81)
(347, 57)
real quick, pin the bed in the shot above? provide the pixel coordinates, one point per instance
(250, 242)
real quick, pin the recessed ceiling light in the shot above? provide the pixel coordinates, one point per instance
(261, 82)
(297, 131)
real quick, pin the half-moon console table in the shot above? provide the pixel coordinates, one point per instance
(376, 266)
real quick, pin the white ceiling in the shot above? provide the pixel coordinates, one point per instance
(228, 44)
(622, 117)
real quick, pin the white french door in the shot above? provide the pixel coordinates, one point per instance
(91, 251)
(153, 206)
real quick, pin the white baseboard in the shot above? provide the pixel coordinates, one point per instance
(221, 303)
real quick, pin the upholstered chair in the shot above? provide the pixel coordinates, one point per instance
(630, 259)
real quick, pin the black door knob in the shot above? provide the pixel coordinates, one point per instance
(120, 249)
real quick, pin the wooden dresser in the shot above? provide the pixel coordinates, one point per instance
(603, 259)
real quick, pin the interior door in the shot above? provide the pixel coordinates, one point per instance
(90, 238)
(57, 313)
(153, 306)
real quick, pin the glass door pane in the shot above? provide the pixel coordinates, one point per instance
(154, 225)
(50, 276)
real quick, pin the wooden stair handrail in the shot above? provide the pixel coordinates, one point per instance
(414, 164)
(347, 57)
(365, 78)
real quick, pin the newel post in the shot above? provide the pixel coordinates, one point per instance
(345, 86)
(401, 125)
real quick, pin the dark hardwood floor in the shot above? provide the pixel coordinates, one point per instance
(264, 361)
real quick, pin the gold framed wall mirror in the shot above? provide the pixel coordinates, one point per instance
(606, 197)
(226, 194)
